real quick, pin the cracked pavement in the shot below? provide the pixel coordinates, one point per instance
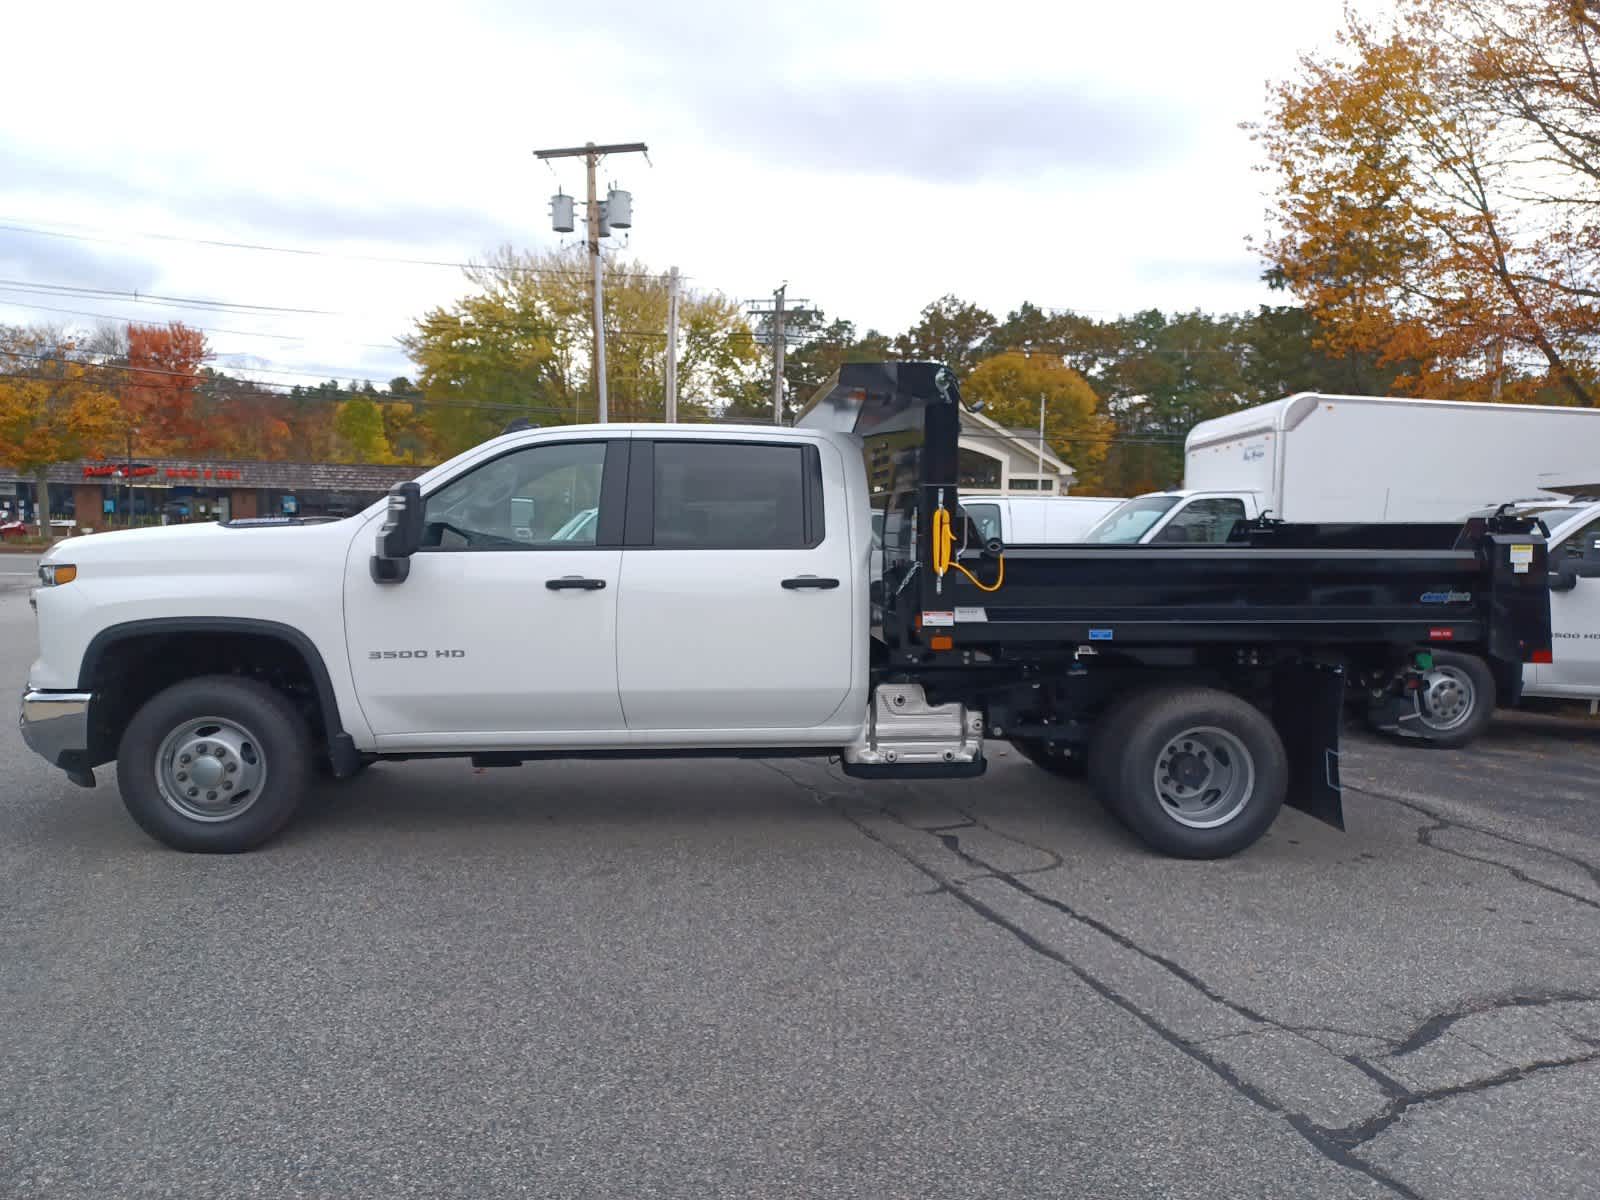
(760, 978)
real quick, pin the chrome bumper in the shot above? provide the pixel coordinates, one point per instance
(56, 726)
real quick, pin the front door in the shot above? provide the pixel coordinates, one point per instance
(1574, 621)
(504, 633)
(739, 603)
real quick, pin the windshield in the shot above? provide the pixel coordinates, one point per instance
(1130, 521)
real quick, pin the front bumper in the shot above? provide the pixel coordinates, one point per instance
(56, 726)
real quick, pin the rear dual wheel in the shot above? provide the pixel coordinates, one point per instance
(1193, 772)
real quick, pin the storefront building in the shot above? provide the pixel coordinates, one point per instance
(107, 495)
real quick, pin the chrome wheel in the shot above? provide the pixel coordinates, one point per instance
(1446, 699)
(1204, 777)
(210, 769)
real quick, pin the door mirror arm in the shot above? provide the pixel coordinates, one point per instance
(401, 534)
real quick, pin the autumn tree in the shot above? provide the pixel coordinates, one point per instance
(254, 421)
(520, 344)
(161, 398)
(1011, 387)
(1438, 195)
(358, 423)
(54, 408)
(950, 331)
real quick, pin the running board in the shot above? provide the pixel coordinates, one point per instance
(954, 770)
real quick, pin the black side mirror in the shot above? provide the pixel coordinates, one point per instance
(401, 535)
(1563, 579)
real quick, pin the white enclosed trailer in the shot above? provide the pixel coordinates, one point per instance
(1326, 458)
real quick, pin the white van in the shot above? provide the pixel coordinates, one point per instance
(1034, 520)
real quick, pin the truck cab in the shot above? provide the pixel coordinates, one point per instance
(1182, 517)
(1573, 673)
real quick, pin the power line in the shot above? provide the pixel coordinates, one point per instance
(66, 289)
(17, 225)
(126, 320)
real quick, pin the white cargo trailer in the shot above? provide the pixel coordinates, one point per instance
(1313, 457)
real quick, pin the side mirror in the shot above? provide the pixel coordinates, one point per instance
(1563, 579)
(401, 535)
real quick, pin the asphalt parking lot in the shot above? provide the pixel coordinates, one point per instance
(760, 979)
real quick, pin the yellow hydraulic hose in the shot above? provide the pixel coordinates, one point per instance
(944, 540)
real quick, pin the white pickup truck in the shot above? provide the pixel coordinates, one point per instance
(644, 590)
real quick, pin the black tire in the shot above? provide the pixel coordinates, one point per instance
(1455, 704)
(1105, 749)
(1233, 766)
(1069, 762)
(254, 732)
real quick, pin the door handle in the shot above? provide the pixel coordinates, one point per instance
(810, 581)
(574, 583)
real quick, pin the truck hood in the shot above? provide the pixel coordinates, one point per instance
(224, 544)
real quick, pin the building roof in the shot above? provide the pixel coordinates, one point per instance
(975, 423)
(228, 473)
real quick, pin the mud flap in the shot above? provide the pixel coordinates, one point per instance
(1308, 711)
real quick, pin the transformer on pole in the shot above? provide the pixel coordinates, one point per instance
(598, 226)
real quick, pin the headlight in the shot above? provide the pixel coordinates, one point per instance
(55, 574)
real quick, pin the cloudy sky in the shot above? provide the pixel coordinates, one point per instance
(873, 153)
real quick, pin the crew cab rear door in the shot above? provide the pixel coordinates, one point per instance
(738, 606)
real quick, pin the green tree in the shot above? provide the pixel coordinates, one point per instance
(950, 331)
(359, 426)
(521, 345)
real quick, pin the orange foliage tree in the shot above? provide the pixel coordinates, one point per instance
(163, 411)
(1437, 198)
(53, 408)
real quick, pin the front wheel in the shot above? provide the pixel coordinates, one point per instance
(1198, 773)
(1454, 701)
(216, 764)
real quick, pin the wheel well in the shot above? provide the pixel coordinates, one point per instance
(128, 671)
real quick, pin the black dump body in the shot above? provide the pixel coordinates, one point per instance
(1350, 590)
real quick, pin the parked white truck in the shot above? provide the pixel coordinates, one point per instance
(1319, 458)
(1331, 459)
(622, 590)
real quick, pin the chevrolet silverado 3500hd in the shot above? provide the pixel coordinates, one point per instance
(646, 589)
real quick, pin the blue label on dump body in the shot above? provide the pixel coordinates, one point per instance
(1099, 635)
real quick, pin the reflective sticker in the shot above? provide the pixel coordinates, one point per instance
(971, 614)
(938, 619)
(1100, 635)
(1521, 558)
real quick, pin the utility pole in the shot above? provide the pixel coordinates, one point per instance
(777, 354)
(1041, 441)
(672, 346)
(778, 335)
(592, 154)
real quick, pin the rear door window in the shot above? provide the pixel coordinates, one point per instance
(731, 496)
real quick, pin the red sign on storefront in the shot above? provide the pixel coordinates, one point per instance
(125, 472)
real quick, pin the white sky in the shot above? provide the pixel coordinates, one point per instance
(874, 153)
